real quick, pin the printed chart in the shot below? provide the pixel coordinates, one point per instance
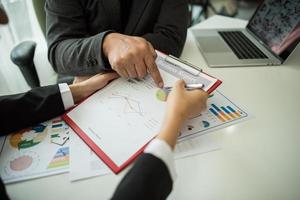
(21, 162)
(37, 151)
(28, 137)
(130, 105)
(60, 159)
(221, 112)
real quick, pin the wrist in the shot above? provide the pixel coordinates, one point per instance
(78, 92)
(170, 129)
(173, 122)
(107, 43)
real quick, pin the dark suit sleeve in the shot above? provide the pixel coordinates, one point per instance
(3, 194)
(149, 178)
(23, 110)
(71, 49)
(169, 32)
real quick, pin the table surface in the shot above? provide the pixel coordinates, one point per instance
(259, 159)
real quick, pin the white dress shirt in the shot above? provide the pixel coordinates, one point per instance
(66, 95)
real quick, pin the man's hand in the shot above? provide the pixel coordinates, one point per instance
(131, 56)
(83, 89)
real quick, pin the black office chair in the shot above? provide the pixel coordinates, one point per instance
(23, 54)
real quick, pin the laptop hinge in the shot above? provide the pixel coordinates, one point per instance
(264, 44)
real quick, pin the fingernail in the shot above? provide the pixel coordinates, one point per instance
(161, 84)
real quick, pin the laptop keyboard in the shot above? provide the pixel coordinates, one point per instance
(242, 47)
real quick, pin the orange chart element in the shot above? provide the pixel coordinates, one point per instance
(17, 141)
(60, 159)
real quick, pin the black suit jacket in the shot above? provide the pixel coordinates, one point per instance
(27, 109)
(23, 110)
(76, 29)
(149, 179)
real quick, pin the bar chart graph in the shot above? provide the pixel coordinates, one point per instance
(224, 113)
(221, 113)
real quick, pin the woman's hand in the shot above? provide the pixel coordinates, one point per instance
(185, 104)
(181, 105)
(81, 90)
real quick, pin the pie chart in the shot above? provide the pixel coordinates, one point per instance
(21, 163)
(205, 124)
(161, 95)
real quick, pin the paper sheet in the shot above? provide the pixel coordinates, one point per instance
(197, 145)
(193, 140)
(122, 118)
(84, 163)
(38, 151)
(128, 112)
(221, 112)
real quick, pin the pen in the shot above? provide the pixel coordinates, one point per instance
(192, 86)
(192, 69)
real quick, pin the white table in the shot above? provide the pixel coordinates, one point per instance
(260, 158)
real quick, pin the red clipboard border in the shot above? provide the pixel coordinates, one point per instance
(215, 86)
(116, 169)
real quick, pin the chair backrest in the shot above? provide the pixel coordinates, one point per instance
(39, 6)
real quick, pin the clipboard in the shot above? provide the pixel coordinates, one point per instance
(189, 68)
(100, 133)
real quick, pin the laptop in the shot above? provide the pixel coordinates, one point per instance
(269, 38)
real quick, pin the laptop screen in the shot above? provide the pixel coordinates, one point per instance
(277, 24)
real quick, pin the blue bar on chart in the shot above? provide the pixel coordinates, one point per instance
(221, 113)
(224, 113)
(228, 112)
(217, 114)
(234, 112)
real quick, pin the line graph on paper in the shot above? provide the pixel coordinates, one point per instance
(130, 105)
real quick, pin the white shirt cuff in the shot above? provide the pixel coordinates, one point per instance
(160, 149)
(66, 95)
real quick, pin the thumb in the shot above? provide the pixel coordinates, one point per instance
(179, 84)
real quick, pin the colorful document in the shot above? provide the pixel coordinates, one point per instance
(34, 152)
